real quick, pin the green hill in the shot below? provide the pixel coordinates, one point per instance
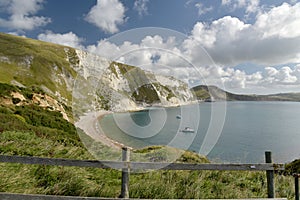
(30, 63)
(54, 69)
(204, 92)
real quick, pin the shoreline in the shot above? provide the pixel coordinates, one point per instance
(89, 124)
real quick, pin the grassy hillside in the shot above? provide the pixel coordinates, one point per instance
(36, 179)
(30, 130)
(36, 63)
(139, 83)
(204, 92)
(44, 133)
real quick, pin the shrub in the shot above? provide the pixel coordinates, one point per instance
(293, 167)
(16, 100)
(6, 89)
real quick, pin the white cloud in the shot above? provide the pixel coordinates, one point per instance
(268, 80)
(111, 50)
(282, 22)
(141, 7)
(67, 39)
(202, 9)
(229, 41)
(22, 14)
(253, 6)
(282, 76)
(226, 2)
(224, 30)
(107, 15)
(272, 40)
(250, 6)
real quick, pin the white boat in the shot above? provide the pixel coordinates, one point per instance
(188, 130)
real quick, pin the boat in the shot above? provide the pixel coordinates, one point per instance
(210, 100)
(178, 116)
(188, 130)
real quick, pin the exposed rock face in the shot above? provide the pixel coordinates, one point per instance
(42, 100)
(121, 87)
(84, 80)
(90, 64)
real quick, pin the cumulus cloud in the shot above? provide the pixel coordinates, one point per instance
(272, 40)
(224, 30)
(107, 15)
(281, 22)
(141, 7)
(67, 39)
(22, 14)
(282, 76)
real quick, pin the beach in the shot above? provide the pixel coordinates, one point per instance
(89, 124)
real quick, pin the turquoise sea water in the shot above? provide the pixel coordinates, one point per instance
(237, 132)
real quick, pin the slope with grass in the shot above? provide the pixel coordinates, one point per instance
(46, 134)
(34, 179)
(204, 92)
(35, 63)
(56, 69)
(30, 130)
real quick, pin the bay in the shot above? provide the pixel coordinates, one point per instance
(235, 132)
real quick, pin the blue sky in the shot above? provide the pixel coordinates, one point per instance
(244, 46)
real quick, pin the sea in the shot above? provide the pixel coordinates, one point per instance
(225, 132)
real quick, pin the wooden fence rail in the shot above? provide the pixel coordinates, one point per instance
(126, 166)
(139, 165)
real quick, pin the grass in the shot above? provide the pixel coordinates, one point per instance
(122, 67)
(74, 181)
(36, 63)
(164, 89)
(146, 93)
(55, 180)
(142, 90)
(20, 136)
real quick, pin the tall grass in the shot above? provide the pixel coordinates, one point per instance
(55, 180)
(24, 132)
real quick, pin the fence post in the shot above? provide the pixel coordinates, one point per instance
(125, 173)
(270, 176)
(296, 186)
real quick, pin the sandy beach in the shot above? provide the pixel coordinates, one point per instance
(89, 124)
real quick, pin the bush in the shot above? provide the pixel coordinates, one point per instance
(293, 167)
(44, 123)
(5, 110)
(37, 116)
(6, 89)
(16, 100)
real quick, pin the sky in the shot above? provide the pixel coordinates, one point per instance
(243, 46)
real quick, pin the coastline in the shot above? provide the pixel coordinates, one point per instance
(89, 124)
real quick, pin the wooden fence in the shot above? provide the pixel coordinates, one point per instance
(125, 165)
